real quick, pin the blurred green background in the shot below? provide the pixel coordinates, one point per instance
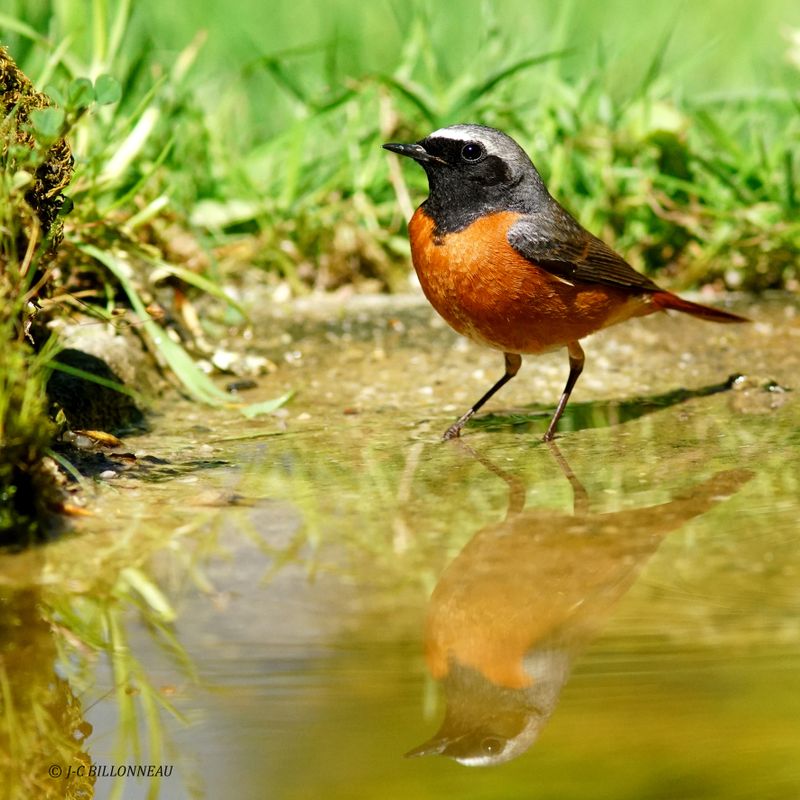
(732, 46)
(671, 130)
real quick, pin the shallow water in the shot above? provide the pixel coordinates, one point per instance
(315, 594)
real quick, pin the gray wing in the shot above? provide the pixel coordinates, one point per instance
(558, 244)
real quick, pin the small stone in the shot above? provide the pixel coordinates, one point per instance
(224, 360)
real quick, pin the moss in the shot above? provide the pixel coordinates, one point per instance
(28, 488)
(32, 180)
(52, 163)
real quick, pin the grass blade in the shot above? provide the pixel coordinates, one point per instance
(411, 93)
(199, 282)
(100, 381)
(484, 88)
(197, 384)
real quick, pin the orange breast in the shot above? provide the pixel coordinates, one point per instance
(487, 291)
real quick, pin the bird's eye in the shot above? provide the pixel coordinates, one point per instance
(472, 152)
(491, 745)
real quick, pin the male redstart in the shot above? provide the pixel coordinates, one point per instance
(524, 597)
(508, 267)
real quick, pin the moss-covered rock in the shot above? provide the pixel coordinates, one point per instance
(33, 175)
(51, 164)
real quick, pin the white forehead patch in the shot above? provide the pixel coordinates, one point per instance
(466, 135)
(456, 133)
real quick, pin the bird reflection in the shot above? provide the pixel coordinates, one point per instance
(524, 598)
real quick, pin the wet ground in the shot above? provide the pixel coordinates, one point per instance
(283, 607)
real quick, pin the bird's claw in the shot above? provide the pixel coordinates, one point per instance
(453, 432)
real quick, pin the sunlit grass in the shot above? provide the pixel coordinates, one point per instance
(270, 152)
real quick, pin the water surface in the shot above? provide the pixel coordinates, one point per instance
(289, 605)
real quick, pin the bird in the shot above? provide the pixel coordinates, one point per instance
(524, 597)
(508, 267)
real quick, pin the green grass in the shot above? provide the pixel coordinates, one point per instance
(671, 132)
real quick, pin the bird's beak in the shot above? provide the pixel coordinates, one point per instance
(433, 747)
(415, 151)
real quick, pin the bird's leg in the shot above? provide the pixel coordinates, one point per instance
(516, 486)
(576, 359)
(513, 363)
(580, 497)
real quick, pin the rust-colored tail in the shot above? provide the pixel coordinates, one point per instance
(667, 300)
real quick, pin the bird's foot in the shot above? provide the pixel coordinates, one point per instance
(551, 433)
(453, 432)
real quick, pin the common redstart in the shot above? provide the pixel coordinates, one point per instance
(524, 597)
(508, 267)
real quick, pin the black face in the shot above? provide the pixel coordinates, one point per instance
(472, 177)
(469, 160)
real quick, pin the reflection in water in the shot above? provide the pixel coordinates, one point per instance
(50, 641)
(41, 718)
(523, 598)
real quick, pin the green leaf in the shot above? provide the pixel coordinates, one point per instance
(107, 90)
(55, 94)
(151, 594)
(267, 407)
(66, 206)
(47, 122)
(80, 93)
